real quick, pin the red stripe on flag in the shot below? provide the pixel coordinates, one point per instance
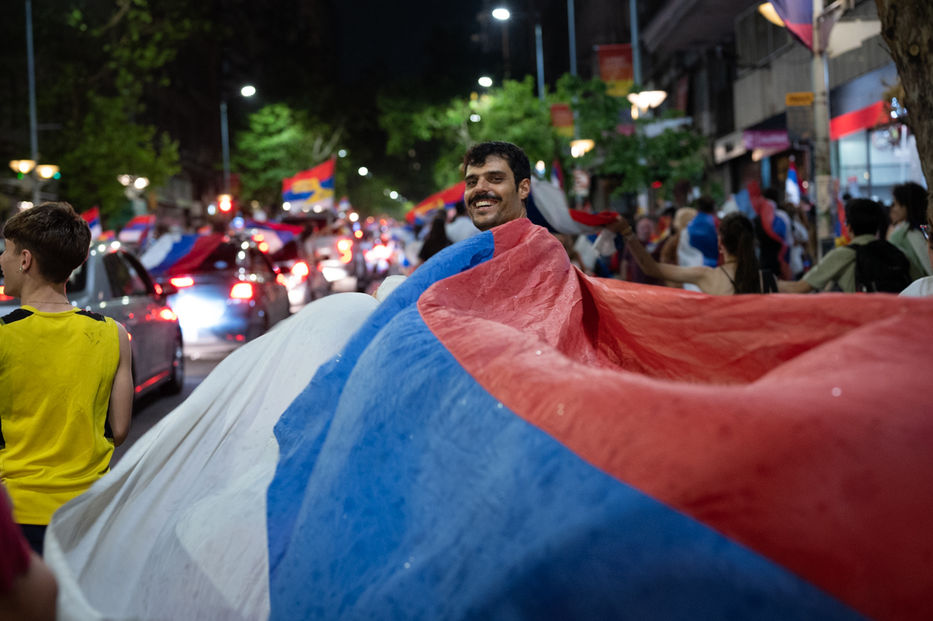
(747, 423)
(202, 248)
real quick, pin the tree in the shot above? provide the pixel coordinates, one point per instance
(907, 28)
(106, 57)
(279, 143)
(636, 159)
(511, 112)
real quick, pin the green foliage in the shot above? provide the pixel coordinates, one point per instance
(511, 112)
(106, 56)
(279, 143)
(639, 159)
(104, 146)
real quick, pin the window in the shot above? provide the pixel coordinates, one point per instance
(123, 277)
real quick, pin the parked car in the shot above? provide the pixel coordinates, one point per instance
(112, 282)
(232, 296)
(303, 278)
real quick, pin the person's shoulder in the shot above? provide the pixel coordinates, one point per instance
(94, 316)
(922, 287)
(14, 316)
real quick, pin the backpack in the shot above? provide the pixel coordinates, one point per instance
(880, 267)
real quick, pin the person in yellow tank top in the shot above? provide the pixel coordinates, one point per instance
(66, 384)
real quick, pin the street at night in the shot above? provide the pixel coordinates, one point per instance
(532, 309)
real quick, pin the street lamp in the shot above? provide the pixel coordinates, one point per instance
(363, 171)
(644, 101)
(485, 81)
(503, 14)
(134, 185)
(40, 174)
(246, 91)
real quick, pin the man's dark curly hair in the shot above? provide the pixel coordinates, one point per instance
(518, 161)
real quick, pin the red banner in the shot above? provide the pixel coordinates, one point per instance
(615, 68)
(562, 119)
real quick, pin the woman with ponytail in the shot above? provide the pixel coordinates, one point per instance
(738, 272)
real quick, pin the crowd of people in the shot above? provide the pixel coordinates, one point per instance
(725, 253)
(718, 254)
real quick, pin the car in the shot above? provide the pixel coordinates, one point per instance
(341, 259)
(112, 282)
(232, 296)
(303, 278)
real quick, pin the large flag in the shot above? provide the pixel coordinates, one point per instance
(176, 253)
(312, 188)
(92, 217)
(797, 16)
(504, 437)
(137, 230)
(445, 199)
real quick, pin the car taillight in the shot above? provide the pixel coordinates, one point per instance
(242, 291)
(345, 247)
(300, 269)
(182, 281)
(4, 297)
(167, 314)
(280, 278)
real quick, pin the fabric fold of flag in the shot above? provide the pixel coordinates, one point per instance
(176, 253)
(797, 16)
(546, 206)
(179, 522)
(558, 445)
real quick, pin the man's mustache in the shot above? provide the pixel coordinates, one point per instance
(479, 197)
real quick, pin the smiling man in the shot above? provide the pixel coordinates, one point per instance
(498, 180)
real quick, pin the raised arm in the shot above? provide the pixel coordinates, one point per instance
(675, 273)
(121, 394)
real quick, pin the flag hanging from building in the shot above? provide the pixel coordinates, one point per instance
(797, 16)
(312, 189)
(445, 199)
(92, 217)
(504, 437)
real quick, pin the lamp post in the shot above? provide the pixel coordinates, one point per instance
(36, 173)
(33, 133)
(502, 14)
(246, 91)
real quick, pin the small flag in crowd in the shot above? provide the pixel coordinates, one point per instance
(92, 217)
(792, 185)
(445, 199)
(311, 189)
(137, 230)
(557, 175)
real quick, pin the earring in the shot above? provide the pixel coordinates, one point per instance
(21, 268)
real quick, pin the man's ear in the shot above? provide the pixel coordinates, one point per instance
(25, 259)
(524, 188)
